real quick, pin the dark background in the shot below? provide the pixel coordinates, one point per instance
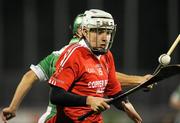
(32, 29)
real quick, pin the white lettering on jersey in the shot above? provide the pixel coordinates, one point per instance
(100, 85)
(99, 69)
(95, 69)
(91, 70)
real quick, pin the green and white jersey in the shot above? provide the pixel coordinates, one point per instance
(45, 67)
(44, 70)
(74, 40)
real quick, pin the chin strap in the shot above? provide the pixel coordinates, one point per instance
(96, 52)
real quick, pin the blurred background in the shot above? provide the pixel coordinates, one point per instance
(32, 29)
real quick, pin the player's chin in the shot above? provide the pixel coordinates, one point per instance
(101, 48)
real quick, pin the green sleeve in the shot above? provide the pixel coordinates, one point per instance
(48, 64)
(45, 67)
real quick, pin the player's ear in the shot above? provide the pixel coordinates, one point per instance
(79, 32)
(84, 32)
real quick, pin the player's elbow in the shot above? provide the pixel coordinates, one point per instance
(30, 75)
(55, 96)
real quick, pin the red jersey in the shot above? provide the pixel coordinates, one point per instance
(81, 72)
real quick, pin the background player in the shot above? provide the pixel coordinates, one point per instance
(175, 103)
(40, 72)
(44, 70)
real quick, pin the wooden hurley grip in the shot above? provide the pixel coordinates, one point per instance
(174, 45)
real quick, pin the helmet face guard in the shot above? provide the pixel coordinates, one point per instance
(108, 44)
(100, 22)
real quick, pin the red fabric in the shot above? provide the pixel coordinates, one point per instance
(90, 76)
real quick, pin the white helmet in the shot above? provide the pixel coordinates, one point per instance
(95, 17)
(98, 19)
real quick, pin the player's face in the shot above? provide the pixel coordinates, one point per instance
(99, 38)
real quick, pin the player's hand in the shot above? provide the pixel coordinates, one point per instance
(131, 112)
(97, 104)
(147, 77)
(141, 79)
(7, 114)
(149, 87)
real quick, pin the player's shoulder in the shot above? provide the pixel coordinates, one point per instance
(72, 53)
(77, 48)
(108, 54)
(58, 52)
(71, 48)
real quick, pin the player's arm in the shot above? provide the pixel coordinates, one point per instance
(131, 80)
(59, 96)
(38, 72)
(114, 88)
(131, 112)
(124, 105)
(24, 86)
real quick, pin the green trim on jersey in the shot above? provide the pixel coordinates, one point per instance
(47, 65)
(53, 111)
(74, 40)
